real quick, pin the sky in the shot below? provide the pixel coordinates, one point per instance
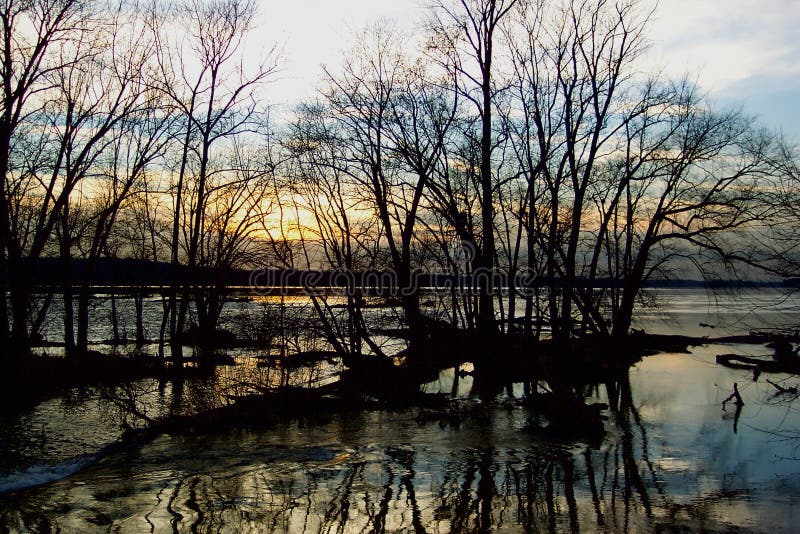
(743, 53)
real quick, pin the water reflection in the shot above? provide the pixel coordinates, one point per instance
(668, 458)
(388, 472)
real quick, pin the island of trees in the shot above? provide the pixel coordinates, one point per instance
(521, 156)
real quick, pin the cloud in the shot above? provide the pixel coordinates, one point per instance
(741, 51)
(316, 32)
(728, 41)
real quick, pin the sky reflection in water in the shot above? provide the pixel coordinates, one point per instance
(671, 459)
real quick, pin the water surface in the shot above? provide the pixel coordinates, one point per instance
(673, 459)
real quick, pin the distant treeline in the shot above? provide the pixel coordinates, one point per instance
(125, 273)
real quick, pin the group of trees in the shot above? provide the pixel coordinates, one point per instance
(126, 132)
(529, 133)
(513, 143)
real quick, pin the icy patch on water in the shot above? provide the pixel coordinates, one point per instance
(36, 475)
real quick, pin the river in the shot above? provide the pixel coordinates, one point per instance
(673, 459)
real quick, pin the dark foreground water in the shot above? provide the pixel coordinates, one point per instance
(673, 460)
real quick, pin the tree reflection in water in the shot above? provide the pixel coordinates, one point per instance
(431, 486)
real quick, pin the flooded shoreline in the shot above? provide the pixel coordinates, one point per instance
(672, 457)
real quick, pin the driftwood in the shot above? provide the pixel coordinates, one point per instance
(782, 390)
(299, 359)
(738, 402)
(753, 338)
(735, 396)
(736, 361)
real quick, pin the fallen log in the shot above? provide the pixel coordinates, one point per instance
(737, 361)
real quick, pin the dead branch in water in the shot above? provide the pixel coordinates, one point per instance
(782, 390)
(734, 396)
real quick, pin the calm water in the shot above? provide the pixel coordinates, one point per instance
(672, 457)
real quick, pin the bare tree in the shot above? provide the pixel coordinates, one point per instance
(572, 69)
(201, 65)
(692, 187)
(64, 99)
(779, 250)
(31, 33)
(465, 35)
(371, 106)
(142, 232)
(341, 235)
(238, 198)
(118, 175)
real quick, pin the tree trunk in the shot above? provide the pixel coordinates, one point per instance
(5, 265)
(114, 319)
(353, 320)
(486, 319)
(409, 298)
(66, 266)
(552, 293)
(138, 301)
(82, 345)
(162, 332)
(512, 301)
(4, 326)
(177, 328)
(624, 318)
(21, 291)
(69, 319)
